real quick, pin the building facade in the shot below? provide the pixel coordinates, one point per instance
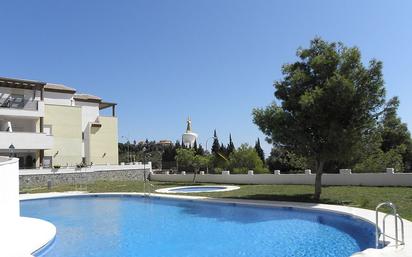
(49, 125)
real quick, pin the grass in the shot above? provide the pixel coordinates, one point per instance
(356, 196)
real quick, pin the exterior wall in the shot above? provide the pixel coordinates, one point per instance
(67, 134)
(9, 193)
(58, 98)
(90, 113)
(103, 141)
(357, 179)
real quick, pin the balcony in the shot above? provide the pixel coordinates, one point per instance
(21, 108)
(25, 140)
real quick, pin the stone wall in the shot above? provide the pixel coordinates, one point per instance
(75, 178)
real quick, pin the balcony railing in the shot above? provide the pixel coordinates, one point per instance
(19, 103)
(25, 140)
(21, 108)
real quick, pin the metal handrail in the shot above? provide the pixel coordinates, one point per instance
(396, 216)
(147, 190)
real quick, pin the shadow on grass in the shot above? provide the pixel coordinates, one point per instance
(306, 198)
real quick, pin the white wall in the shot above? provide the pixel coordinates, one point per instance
(90, 113)
(362, 179)
(94, 168)
(9, 190)
(58, 98)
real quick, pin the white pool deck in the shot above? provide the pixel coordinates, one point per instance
(36, 238)
(26, 236)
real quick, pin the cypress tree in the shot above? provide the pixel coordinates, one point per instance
(200, 150)
(195, 145)
(216, 145)
(259, 150)
(230, 146)
(223, 150)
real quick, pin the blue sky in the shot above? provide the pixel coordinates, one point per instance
(211, 60)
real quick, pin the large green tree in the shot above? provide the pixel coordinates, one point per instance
(395, 134)
(327, 102)
(184, 157)
(286, 161)
(390, 146)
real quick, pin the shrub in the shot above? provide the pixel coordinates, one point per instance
(246, 158)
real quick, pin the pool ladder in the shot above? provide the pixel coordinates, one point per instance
(147, 188)
(383, 233)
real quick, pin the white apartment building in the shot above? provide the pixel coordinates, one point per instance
(45, 124)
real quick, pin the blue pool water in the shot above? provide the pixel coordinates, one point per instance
(120, 226)
(197, 189)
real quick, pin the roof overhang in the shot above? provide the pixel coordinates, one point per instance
(104, 105)
(21, 83)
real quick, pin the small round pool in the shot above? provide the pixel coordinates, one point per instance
(196, 189)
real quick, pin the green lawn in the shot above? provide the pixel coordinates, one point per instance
(357, 196)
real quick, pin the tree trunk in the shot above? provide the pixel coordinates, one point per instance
(194, 176)
(318, 180)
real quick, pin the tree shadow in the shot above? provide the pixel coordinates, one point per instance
(306, 198)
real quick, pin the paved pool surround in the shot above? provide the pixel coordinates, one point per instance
(19, 236)
(389, 251)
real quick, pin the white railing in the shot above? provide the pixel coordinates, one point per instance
(94, 168)
(29, 109)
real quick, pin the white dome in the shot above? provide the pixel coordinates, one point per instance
(189, 137)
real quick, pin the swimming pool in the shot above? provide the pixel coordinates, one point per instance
(89, 226)
(196, 189)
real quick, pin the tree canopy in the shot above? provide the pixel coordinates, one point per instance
(327, 101)
(246, 158)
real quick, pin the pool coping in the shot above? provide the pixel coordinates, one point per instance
(367, 215)
(168, 190)
(26, 236)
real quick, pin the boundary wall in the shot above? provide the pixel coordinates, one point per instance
(343, 178)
